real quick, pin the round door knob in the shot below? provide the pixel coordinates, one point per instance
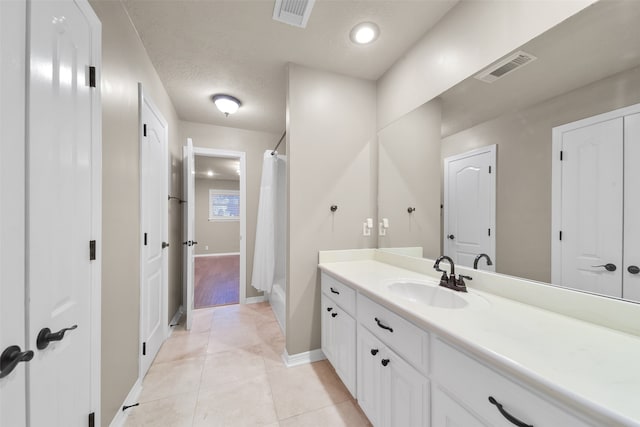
(451, 237)
(633, 269)
(608, 267)
(385, 362)
(374, 351)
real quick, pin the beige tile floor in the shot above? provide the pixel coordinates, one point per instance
(228, 371)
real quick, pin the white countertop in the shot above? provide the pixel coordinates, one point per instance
(588, 367)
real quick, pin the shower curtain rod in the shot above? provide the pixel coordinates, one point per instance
(274, 150)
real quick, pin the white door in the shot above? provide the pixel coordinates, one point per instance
(591, 200)
(189, 229)
(12, 202)
(153, 194)
(469, 206)
(631, 275)
(60, 211)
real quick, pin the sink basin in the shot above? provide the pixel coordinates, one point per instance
(433, 295)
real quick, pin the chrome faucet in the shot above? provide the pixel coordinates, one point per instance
(475, 261)
(450, 281)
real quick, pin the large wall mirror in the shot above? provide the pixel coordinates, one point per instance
(586, 66)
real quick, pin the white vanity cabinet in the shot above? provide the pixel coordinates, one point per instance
(390, 391)
(464, 389)
(339, 329)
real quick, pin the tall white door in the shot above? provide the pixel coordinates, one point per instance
(631, 258)
(60, 186)
(591, 200)
(469, 206)
(188, 165)
(153, 194)
(12, 202)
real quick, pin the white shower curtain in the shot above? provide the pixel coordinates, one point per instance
(264, 258)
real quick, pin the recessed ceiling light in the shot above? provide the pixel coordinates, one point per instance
(365, 32)
(209, 173)
(226, 103)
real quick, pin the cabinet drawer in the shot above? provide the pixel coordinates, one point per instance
(342, 294)
(472, 383)
(409, 341)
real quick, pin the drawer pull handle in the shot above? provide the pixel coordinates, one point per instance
(334, 314)
(383, 326)
(385, 362)
(334, 291)
(329, 308)
(374, 351)
(507, 415)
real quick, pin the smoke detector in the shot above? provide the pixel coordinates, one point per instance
(502, 68)
(293, 12)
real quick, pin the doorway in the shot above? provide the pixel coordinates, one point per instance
(215, 228)
(217, 231)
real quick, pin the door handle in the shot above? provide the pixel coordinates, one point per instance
(451, 237)
(608, 267)
(45, 336)
(194, 242)
(165, 245)
(633, 269)
(10, 358)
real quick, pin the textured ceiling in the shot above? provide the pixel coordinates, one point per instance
(201, 48)
(222, 168)
(600, 41)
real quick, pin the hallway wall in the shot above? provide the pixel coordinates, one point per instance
(124, 64)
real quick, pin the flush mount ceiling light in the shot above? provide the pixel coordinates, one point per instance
(364, 33)
(226, 103)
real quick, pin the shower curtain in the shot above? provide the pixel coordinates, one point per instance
(264, 258)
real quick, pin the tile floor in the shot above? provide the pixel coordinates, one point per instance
(228, 371)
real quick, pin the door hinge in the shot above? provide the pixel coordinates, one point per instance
(92, 76)
(489, 232)
(144, 348)
(145, 239)
(489, 168)
(144, 129)
(561, 155)
(92, 419)
(92, 250)
(560, 235)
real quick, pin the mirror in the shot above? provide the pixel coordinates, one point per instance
(585, 66)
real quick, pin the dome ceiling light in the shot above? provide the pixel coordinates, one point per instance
(226, 103)
(364, 33)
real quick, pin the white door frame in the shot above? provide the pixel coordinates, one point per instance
(491, 149)
(142, 99)
(556, 180)
(240, 155)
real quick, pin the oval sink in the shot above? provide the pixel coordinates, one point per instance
(435, 296)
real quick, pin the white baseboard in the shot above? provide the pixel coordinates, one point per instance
(221, 254)
(291, 360)
(175, 319)
(255, 300)
(121, 416)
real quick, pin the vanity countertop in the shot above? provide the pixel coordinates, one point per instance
(589, 367)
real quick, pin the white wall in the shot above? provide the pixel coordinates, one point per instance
(471, 36)
(332, 153)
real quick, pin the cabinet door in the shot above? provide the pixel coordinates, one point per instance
(448, 413)
(369, 375)
(405, 393)
(344, 348)
(328, 330)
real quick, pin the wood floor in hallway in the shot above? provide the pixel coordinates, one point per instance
(217, 280)
(228, 371)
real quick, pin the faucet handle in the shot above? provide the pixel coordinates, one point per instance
(460, 276)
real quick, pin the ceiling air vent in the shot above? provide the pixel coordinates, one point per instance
(293, 12)
(504, 67)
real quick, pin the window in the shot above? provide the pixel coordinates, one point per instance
(224, 205)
